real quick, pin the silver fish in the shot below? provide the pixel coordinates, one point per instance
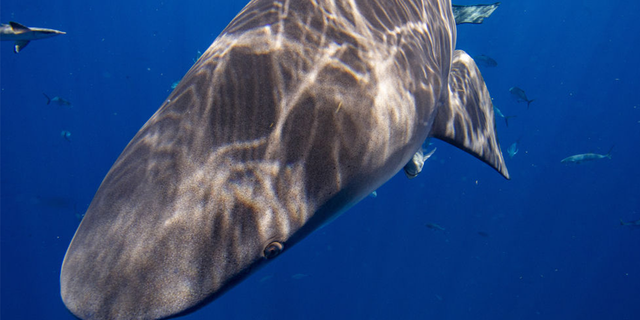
(520, 95)
(414, 167)
(59, 101)
(434, 226)
(485, 61)
(514, 148)
(66, 135)
(500, 114)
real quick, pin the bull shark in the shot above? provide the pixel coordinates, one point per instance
(22, 34)
(295, 113)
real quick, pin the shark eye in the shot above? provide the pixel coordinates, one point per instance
(273, 250)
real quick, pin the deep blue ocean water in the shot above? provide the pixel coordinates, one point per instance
(546, 245)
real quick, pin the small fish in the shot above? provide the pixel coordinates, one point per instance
(635, 223)
(434, 226)
(514, 148)
(299, 276)
(520, 95)
(198, 55)
(580, 158)
(175, 84)
(485, 61)
(373, 194)
(483, 234)
(59, 101)
(499, 113)
(414, 167)
(66, 135)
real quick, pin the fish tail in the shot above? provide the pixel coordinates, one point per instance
(506, 119)
(608, 155)
(48, 99)
(529, 102)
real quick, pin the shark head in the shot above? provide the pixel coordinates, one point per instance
(295, 113)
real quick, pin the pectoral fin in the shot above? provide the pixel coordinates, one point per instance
(467, 120)
(19, 45)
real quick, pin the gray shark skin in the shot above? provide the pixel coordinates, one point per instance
(296, 112)
(22, 35)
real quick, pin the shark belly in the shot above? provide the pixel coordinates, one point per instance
(297, 111)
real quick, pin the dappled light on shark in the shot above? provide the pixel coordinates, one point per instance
(295, 113)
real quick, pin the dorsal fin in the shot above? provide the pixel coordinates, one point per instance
(18, 28)
(466, 120)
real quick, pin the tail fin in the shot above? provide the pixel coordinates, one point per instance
(529, 102)
(48, 99)
(608, 155)
(467, 120)
(506, 119)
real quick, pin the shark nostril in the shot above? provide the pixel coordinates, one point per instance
(273, 250)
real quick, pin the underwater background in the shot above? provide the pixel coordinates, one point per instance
(457, 242)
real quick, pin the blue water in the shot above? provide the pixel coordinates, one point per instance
(551, 245)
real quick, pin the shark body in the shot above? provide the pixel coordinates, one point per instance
(586, 157)
(635, 223)
(296, 112)
(22, 35)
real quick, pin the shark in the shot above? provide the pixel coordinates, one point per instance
(635, 223)
(295, 113)
(585, 157)
(22, 35)
(415, 166)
